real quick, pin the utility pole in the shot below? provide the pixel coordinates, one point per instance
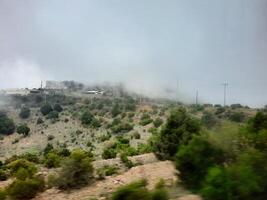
(224, 93)
(197, 97)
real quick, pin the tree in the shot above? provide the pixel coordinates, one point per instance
(86, 118)
(58, 107)
(24, 112)
(46, 108)
(194, 159)
(23, 129)
(77, 170)
(7, 125)
(52, 115)
(158, 122)
(179, 129)
(208, 119)
(115, 110)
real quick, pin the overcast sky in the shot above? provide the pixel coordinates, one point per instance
(148, 44)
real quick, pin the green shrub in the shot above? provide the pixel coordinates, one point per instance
(208, 119)
(25, 113)
(158, 122)
(109, 153)
(25, 189)
(115, 110)
(22, 169)
(145, 119)
(52, 160)
(2, 194)
(86, 118)
(237, 117)
(23, 129)
(194, 160)
(49, 147)
(58, 107)
(77, 170)
(128, 163)
(138, 190)
(39, 120)
(46, 109)
(179, 129)
(52, 115)
(136, 135)
(3, 175)
(7, 125)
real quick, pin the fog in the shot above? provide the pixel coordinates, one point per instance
(151, 46)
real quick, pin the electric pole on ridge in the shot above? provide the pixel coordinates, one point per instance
(225, 85)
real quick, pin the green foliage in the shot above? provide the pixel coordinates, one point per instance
(179, 129)
(115, 110)
(77, 170)
(138, 190)
(242, 180)
(219, 110)
(86, 118)
(237, 117)
(46, 109)
(106, 171)
(58, 107)
(259, 122)
(216, 186)
(23, 129)
(128, 163)
(194, 159)
(25, 113)
(2, 194)
(22, 169)
(109, 153)
(208, 120)
(52, 160)
(39, 120)
(25, 189)
(52, 115)
(7, 125)
(145, 119)
(136, 135)
(49, 147)
(122, 128)
(158, 122)
(3, 175)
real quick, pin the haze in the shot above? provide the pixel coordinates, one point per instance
(149, 45)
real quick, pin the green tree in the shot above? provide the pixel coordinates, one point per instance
(58, 107)
(46, 109)
(77, 170)
(179, 129)
(25, 113)
(23, 129)
(87, 118)
(7, 125)
(194, 159)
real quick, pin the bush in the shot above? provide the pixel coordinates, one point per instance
(122, 128)
(138, 190)
(194, 160)
(237, 117)
(145, 119)
(52, 160)
(22, 169)
(126, 161)
(23, 129)
(7, 125)
(25, 113)
(58, 108)
(52, 115)
(77, 170)
(49, 147)
(86, 118)
(179, 129)
(39, 120)
(25, 189)
(3, 175)
(136, 135)
(46, 109)
(157, 122)
(2, 194)
(109, 153)
(115, 110)
(208, 119)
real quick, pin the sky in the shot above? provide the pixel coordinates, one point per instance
(152, 46)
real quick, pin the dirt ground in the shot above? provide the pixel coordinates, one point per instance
(153, 172)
